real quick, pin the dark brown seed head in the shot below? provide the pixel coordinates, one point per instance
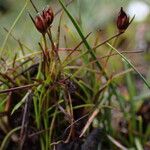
(48, 15)
(40, 24)
(122, 21)
(44, 19)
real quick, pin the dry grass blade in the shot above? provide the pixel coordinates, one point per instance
(90, 120)
(65, 113)
(121, 147)
(18, 88)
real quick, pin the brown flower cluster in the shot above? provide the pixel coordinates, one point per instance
(44, 20)
(122, 21)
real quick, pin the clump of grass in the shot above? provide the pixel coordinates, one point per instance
(55, 101)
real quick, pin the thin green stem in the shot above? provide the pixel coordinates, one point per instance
(131, 65)
(2, 147)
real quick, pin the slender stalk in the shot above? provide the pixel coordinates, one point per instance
(45, 46)
(131, 65)
(18, 88)
(35, 8)
(104, 42)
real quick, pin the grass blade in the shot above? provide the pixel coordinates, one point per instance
(130, 64)
(13, 25)
(82, 37)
